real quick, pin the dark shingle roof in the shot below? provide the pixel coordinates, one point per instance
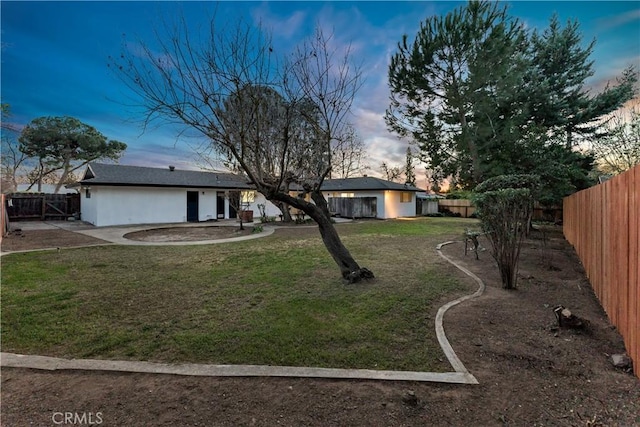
(365, 183)
(120, 175)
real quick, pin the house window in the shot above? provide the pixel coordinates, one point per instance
(248, 196)
(347, 195)
(87, 193)
(405, 197)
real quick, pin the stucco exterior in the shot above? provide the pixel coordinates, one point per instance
(270, 208)
(143, 205)
(118, 205)
(394, 207)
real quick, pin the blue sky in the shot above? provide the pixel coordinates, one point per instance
(54, 56)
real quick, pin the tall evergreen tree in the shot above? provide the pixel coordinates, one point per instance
(481, 97)
(409, 169)
(560, 66)
(434, 80)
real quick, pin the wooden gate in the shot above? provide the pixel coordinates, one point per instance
(354, 207)
(25, 206)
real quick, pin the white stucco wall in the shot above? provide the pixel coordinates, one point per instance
(270, 208)
(144, 205)
(206, 205)
(89, 206)
(153, 205)
(394, 208)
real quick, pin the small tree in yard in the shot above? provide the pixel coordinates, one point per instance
(505, 206)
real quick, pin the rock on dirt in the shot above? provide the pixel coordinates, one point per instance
(621, 361)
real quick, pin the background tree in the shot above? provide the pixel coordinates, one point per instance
(481, 97)
(391, 173)
(274, 116)
(409, 169)
(433, 80)
(64, 144)
(559, 99)
(349, 156)
(433, 182)
(618, 148)
(12, 159)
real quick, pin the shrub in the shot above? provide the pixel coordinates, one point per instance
(262, 208)
(458, 194)
(505, 206)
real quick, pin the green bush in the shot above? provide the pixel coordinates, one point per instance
(531, 182)
(504, 205)
(458, 194)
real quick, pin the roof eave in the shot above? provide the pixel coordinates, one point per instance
(126, 184)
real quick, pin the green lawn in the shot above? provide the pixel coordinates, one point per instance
(276, 300)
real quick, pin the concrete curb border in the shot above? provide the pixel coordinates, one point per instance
(460, 376)
(454, 360)
(117, 238)
(54, 363)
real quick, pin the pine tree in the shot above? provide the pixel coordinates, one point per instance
(482, 97)
(434, 80)
(409, 169)
(560, 67)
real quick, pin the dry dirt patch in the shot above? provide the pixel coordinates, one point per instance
(188, 234)
(43, 239)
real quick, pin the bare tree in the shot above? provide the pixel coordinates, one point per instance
(13, 160)
(618, 150)
(13, 164)
(391, 173)
(275, 117)
(349, 156)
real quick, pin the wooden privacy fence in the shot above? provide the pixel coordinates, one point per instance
(461, 207)
(465, 209)
(25, 206)
(602, 223)
(354, 207)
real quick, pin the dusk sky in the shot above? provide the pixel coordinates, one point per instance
(55, 54)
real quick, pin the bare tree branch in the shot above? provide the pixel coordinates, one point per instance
(272, 118)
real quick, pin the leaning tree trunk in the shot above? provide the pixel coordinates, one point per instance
(349, 269)
(284, 208)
